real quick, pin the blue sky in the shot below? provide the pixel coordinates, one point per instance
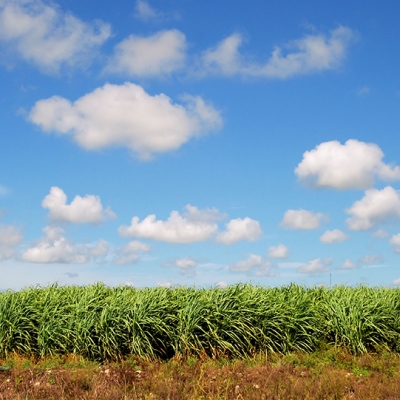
(199, 143)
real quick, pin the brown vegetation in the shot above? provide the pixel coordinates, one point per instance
(329, 374)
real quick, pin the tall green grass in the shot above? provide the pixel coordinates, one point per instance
(100, 322)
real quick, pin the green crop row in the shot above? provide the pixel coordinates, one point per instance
(100, 322)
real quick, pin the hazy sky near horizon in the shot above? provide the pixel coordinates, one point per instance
(199, 143)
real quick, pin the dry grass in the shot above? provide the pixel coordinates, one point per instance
(328, 374)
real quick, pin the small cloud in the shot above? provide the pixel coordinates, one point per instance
(376, 207)
(353, 165)
(192, 226)
(130, 253)
(396, 282)
(363, 91)
(82, 210)
(311, 54)
(41, 34)
(238, 230)
(380, 233)
(280, 251)
(145, 12)
(302, 220)
(72, 274)
(222, 285)
(254, 264)
(158, 55)
(334, 236)
(348, 265)
(315, 266)
(185, 265)
(395, 242)
(370, 259)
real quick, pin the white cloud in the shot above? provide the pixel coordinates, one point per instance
(334, 236)
(380, 233)
(185, 265)
(370, 259)
(123, 115)
(348, 265)
(239, 229)
(280, 251)
(376, 207)
(82, 210)
(253, 263)
(193, 226)
(10, 237)
(312, 53)
(45, 36)
(131, 252)
(55, 248)
(315, 266)
(354, 165)
(301, 219)
(396, 282)
(156, 55)
(395, 242)
(145, 12)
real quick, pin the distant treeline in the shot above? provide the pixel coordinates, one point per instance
(100, 322)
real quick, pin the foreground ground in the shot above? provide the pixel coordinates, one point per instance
(328, 374)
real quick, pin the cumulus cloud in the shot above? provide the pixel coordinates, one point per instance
(315, 266)
(82, 210)
(353, 165)
(280, 251)
(55, 248)
(334, 236)
(123, 115)
(239, 229)
(254, 264)
(192, 226)
(348, 265)
(130, 253)
(395, 242)
(376, 207)
(43, 35)
(312, 53)
(301, 219)
(156, 55)
(10, 237)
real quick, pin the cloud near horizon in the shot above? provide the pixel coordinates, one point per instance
(254, 264)
(123, 115)
(56, 248)
(192, 226)
(10, 238)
